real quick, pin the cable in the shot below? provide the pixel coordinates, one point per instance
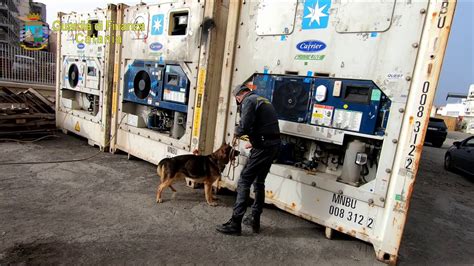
(28, 141)
(50, 162)
(65, 161)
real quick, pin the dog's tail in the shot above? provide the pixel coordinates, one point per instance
(160, 169)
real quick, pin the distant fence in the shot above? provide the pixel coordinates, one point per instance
(23, 66)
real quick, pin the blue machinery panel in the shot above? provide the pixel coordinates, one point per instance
(353, 105)
(158, 85)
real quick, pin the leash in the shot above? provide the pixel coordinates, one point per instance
(233, 164)
(69, 160)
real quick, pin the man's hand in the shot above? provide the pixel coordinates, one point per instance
(248, 145)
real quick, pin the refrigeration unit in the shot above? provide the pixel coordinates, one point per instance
(352, 84)
(167, 80)
(85, 63)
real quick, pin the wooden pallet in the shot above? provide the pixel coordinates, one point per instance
(25, 112)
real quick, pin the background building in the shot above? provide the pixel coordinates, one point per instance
(470, 111)
(453, 109)
(462, 111)
(23, 7)
(9, 22)
(12, 15)
(39, 8)
(25, 58)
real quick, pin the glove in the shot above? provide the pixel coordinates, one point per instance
(244, 138)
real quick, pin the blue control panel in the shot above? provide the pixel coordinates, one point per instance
(346, 104)
(157, 84)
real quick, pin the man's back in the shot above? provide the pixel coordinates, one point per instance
(259, 119)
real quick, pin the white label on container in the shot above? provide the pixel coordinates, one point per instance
(394, 76)
(346, 119)
(322, 115)
(337, 89)
(174, 96)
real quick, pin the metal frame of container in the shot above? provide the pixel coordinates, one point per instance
(93, 125)
(402, 53)
(199, 53)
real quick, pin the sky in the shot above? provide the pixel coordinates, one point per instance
(458, 68)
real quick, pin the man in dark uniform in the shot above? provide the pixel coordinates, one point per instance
(259, 122)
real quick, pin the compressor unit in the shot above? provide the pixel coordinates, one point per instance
(352, 93)
(163, 87)
(168, 80)
(85, 71)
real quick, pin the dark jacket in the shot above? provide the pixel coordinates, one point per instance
(258, 120)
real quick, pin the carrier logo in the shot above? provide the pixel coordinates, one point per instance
(311, 46)
(81, 46)
(156, 46)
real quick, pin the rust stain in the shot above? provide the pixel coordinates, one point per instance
(364, 233)
(419, 147)
(293, 205)
(435, 14)
(399, 207)
(411, 120)
(353, 233)
(409, 193)
(391, 260)
(269, 194)
(430, 68)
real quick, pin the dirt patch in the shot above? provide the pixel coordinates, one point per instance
(35, 253)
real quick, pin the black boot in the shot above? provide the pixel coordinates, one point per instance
(232, 227)
(253, 221)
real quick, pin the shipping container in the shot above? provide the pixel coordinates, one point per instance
(167, 78)
(85, 62)
(353, 84)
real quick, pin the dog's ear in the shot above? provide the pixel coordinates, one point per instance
(221, 153)
(223, 144)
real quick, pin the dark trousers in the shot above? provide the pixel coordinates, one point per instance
(254, 172)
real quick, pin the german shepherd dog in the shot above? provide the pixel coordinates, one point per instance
(201, 168)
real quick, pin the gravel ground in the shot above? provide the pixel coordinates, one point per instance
(103, 212)
(441, 217)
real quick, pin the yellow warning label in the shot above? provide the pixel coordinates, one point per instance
(201, 81)
(197, 122)
(114, 90)
(77, 127)
(199, 101)
(116, 72)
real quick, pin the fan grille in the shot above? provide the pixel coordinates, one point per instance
(73, 75)
(142, 84)
(291, 100)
